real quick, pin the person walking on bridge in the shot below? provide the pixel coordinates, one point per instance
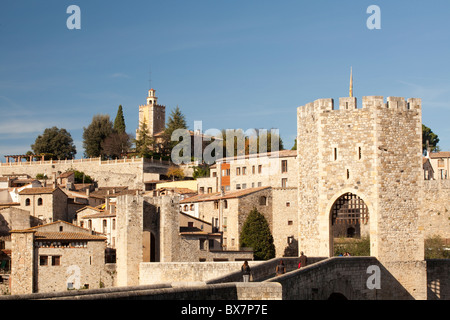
(303, 260)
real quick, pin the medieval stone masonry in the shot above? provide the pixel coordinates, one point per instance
(358, 171)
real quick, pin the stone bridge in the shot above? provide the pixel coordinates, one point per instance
(353, 278)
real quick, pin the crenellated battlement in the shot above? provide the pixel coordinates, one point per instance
(368, 102)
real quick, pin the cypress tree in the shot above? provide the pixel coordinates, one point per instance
(119, 121)
(256, 234)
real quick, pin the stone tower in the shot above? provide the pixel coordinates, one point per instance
(152, 114)
(361, 167)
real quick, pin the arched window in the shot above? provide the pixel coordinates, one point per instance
(192, 207)
(27, 202)
(39, 202)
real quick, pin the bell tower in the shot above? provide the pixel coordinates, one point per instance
(152, 114)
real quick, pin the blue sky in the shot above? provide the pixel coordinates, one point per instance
(230, 64)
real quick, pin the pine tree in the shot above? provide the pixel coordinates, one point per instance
(176, 120)
(144, 141)
(119, 121)
(256, 234)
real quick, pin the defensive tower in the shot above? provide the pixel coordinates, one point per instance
(360, 169)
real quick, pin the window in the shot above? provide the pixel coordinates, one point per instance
(225, 226)
(253, 170)
(191, 207)
(238, 186)
(263, 201)
(202, 190)
(284, 183)
(56, 260)
(216, 204)
(225, 204)
(211, 244)
(185, 207)
(238, 171)
(27, 202)
(39, 202)
(290, 222)
(43, 260)
(260, 168)
(284, 167)
(335, 154)
(209, 189)
(259, 184)
(288, 204)
(244, 171)
(202, 244)
(105, 224)
(244, 186)
(359, 153)
(440, 162)
(114, 224)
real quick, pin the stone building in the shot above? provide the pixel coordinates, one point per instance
(45, 203)
(364, 166)
(149, 230)
(275, 169)
(228, 212)
(56, 257)
(440, 162)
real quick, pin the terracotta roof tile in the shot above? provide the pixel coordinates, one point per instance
(66, 236)
(442, 154)
(39, 190)
(218, 196)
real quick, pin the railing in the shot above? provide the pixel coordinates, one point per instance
(87, 160)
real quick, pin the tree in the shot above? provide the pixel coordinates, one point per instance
(119, 121)
(175, 173)
(57, 142)
(252, 142)
(431, 137)
(295, 145)
(93, 136)
(201, 171)
(256, 234)
(116, 145)
(176, 120)
(143, 142)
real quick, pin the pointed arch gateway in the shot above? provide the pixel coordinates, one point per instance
(349, 216)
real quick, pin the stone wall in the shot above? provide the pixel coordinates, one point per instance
(345, 276)
(121, 172)
(85, 263)
(435, 208)
(22, 270)
(154, 273)
(285, 221)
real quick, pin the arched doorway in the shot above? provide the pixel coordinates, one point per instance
(350, 225)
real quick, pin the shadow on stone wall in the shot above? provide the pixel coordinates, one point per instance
(346, 277)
